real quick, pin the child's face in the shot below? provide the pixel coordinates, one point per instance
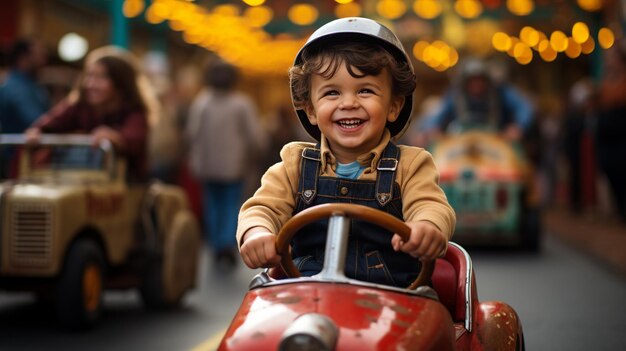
(352, 112)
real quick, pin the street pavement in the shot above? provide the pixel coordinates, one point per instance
(600, 236)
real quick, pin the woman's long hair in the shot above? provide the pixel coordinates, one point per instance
(127, 78)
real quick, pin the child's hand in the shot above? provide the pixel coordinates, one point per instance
(426, 241)
(259, 248)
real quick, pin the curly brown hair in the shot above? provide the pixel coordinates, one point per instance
(368, 59)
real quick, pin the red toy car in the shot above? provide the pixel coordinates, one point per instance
(332, 312)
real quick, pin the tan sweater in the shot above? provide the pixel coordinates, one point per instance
(422, 199)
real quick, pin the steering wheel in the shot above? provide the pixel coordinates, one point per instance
(315, 213)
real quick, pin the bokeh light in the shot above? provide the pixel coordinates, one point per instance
(468, 8)
(72, 47)
(606, 38)
(590, 5)
(391, 9)
(133, 8)
(580, 32)
(258, 16)
(350, 9)
(520, 7)
(558, 41)
(254, 2)
(427, 9)
(303, 14)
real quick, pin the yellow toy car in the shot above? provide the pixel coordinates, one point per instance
(72, 226)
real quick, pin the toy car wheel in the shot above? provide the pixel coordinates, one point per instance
(151, 288)
(169, 275)
(79, 290)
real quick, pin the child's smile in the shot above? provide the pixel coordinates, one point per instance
(351, 112)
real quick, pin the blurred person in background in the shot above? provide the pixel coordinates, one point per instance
(165, 143)
(22, 98)
(478, 100)
(224, 134)
(611, 126)
(112, 100)
(578, 130)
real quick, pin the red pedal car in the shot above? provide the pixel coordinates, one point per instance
(332, 312)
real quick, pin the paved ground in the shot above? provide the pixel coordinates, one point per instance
(600, 236)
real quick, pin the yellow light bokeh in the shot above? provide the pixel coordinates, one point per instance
(438, 55)
(418, 49)
(258, 16)
(239, 38)
(303, 14)
(427, 9)
(226, 10)
(521, 49)
(133, 8)
(351, 9)
(546, 51)
(157, 13)
(529, 35)
(501, 41)
(573, 48)
(254, 2)
(514, 41)
(391, 9)
(588, 46)
(606, 38)
(558, 41)
(580, 32)
(590, 5)
(468, 8)
(520, 7)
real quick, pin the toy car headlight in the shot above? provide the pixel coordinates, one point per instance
(310, 331)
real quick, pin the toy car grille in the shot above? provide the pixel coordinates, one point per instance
(31, 235)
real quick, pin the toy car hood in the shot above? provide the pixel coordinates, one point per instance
(365, 318)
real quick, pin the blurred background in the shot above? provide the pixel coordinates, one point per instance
(541, 47)
(555, 54)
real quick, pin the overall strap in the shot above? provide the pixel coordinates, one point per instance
(387, 166)
(311, 160)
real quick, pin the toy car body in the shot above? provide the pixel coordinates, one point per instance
(332, 312)
(489, 183)
(72, 226)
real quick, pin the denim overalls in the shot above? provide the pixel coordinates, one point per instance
(370, 256)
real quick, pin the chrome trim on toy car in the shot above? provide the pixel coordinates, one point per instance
(336, 248)
(468, 286)
(311, 331)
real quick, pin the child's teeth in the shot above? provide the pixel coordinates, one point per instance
(350, 124)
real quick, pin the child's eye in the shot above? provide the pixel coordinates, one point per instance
(331, 93)
(366, 91)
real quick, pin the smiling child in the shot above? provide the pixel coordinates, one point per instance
(351, 86)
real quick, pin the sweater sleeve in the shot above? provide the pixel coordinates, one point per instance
(60, 118)
(272, 205)
(422, 198)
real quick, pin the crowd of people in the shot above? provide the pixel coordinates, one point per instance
(219, 133)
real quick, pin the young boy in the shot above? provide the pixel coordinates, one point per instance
(351, 86)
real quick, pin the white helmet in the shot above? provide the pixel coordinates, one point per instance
(359, 29)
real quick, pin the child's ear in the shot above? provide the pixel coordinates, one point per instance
(310, 113)
(394, 109)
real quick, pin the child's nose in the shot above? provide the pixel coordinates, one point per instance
(348, 101)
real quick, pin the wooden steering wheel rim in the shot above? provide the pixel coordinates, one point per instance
(315, 213)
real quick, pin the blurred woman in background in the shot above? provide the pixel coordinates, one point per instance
(112, 100)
